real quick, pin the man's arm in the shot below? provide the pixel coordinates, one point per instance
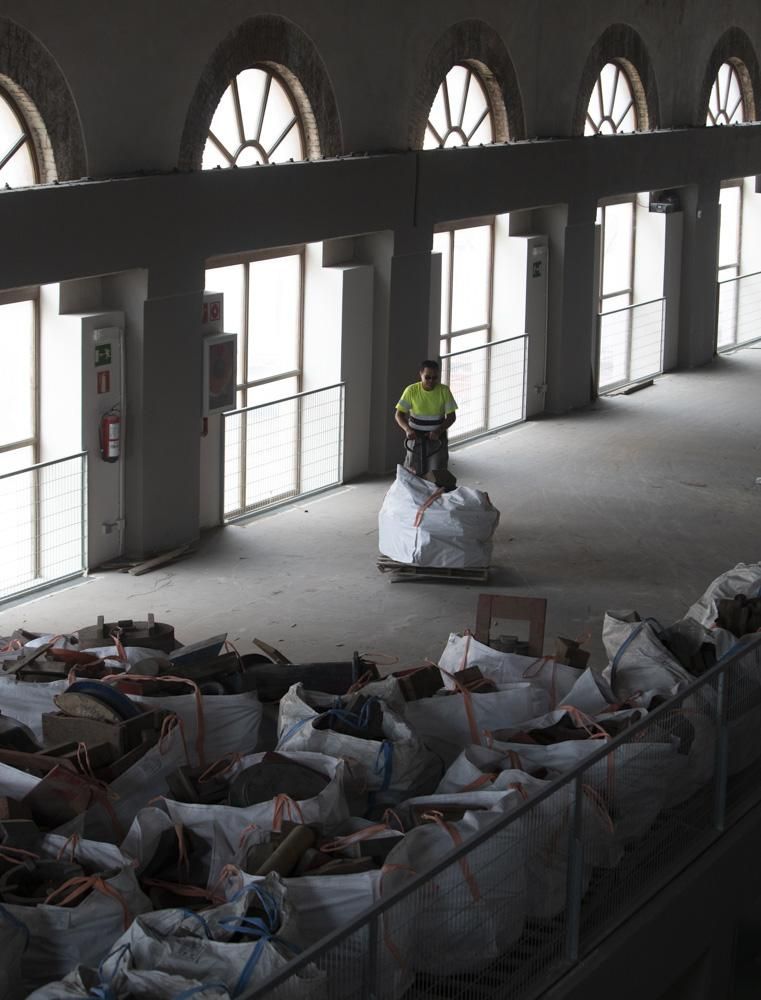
(403, 420)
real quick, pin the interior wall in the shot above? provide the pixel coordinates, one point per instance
(137, 213)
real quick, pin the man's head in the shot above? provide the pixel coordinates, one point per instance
(429, 373)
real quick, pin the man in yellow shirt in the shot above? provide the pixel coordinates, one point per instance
(424, 412)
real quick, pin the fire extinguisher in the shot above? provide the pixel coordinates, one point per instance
(110, 435)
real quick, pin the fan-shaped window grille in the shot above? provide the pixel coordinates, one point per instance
(612, 106)
(18, 163)
(461, 114)
(726, 105)
(256, 121)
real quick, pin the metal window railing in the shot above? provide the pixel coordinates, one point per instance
(518, 904)
(630, 344)
(43, 525)
(277, 451)
(489, 385)
(739, 316)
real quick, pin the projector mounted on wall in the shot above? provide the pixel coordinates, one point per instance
(665, 201)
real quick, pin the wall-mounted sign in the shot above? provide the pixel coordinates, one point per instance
(102, 355)
(212, 312)
(104, 381)
(220, 352)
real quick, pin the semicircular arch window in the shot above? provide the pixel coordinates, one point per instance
(461, 114)
(726, 105)
(256, 121)
(18, 161)
(612, 106)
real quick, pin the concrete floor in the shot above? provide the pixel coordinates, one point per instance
(637, 502)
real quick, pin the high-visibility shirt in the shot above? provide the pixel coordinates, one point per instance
(426, 408)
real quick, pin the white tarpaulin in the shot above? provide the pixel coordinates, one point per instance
(421, 525)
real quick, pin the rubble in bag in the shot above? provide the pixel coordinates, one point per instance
(148, 634)
(276, 775)
(419, 682)
(561, 726)
(14, 735)
(49, 661)
(32, 881)
(300, 850)
(274, 679)
(17, 834)
(179, 864)
(569, 652)
(740, 614)
(190, 784)
(273, 775)
(357, 716)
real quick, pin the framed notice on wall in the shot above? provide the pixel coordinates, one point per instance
(220, 352)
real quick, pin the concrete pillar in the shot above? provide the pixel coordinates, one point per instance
(698, 289)
(672, 288)
(164, 394)
(572, 305)
(402, 340)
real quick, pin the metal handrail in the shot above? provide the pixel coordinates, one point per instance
(739, 277)
(43, 465)
(481, 347)
(371, 914)
(284, 399)
(635, 305)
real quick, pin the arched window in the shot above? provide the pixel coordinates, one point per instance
(613, 105)
(461, 114)
(257, 121)
(727, 104)
(18, 162)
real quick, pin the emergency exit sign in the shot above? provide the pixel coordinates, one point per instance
(102, 355)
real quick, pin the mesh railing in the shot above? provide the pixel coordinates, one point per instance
(278, 451)
(524, 897)
(43, 518)
(739, 319)
(630, 344)
(489, 384)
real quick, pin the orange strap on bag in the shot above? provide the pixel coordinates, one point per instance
(81, 885)
(436, 817)
(171, 679)
(424, 506)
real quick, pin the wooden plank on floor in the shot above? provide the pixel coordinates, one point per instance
(406, 571)
(160, 560)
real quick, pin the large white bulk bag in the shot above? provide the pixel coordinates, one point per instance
(745, 578)
(397, 764)
(421, 525)
(462, 651)
(474, 909)
(447, 723)
(63, 936)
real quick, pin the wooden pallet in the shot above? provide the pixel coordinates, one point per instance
(406, 571)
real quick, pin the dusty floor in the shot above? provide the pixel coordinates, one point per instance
(638, 502)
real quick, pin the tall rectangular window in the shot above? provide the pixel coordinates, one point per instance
(263, 304)
(467, 253)
(18, 363)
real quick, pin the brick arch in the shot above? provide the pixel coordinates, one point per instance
(477, 45)
(38, 88)
(620, 44)
(274, 43)
(736, 48)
